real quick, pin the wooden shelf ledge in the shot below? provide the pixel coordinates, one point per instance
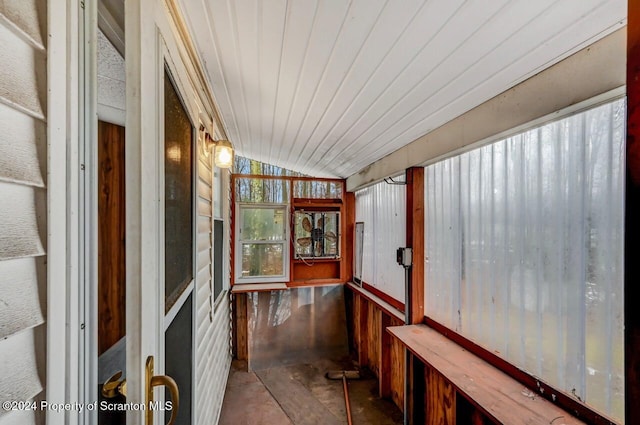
(242, 288)
(382, 304)
(496, 394)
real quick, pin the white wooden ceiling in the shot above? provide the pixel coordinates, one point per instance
(326, 87)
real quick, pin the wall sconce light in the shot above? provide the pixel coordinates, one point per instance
(223, 156)
(223, 151)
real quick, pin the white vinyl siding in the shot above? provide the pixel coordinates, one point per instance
(212, 358)
(524, 240)
(23, 224)
(382, 209)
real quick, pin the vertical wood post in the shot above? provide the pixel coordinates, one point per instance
(415, 239)
(632, 224)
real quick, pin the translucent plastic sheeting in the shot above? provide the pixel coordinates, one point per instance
(382, 208)
(295, 326)
(524, 241)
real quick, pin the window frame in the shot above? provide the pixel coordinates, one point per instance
(239, 242)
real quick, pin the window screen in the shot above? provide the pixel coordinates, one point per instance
(178, 195)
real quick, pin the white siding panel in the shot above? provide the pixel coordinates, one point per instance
(19, 368)
(22, 84)
(212, 356)
(204, 207)
(204, 226)
(25, 16)
(204, 259)
(21, 138)
(204, 189)
(18, 221)
(220, 359)
(19, 297)
(204, 172)
(21, 417)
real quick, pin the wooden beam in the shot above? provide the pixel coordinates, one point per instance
(415, 240)
(348, 237)
(384, 377)
(363, 335)
(632, 224)
(240, 330)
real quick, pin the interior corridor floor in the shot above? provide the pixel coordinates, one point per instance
(302, 395)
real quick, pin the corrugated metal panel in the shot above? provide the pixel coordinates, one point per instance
(23, 94)
(382, 208)
(525, 245)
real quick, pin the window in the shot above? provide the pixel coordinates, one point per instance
(219, 237)
(218, 251)
(262, 253)
(317, 234)
(357, 252)
(178, 195)
(524, 240)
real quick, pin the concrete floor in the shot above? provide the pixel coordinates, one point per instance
(302, 395)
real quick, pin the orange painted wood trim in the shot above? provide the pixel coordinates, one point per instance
(348, 237)
(415, 239)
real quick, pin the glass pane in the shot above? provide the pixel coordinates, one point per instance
(218, 251)
(178, 169)
(262, 224)
(317, 189)
(265, 191)
(262, 260)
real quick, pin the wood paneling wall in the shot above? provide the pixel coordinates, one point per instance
(440, 399)
(373, 347)
(111, 235)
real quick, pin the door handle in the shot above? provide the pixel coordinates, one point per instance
(160, 380)
(114, 386)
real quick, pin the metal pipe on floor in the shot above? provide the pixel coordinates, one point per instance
(346, 397)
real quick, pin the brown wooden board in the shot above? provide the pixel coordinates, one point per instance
(415, 240)
(384, 377)
(314, 270)
(632, 224)
(397, 367)
(496, 394)
(373, 338)
(300, 405)
(363, 335)
(440, 399)
(111, 235)
(241, 326)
